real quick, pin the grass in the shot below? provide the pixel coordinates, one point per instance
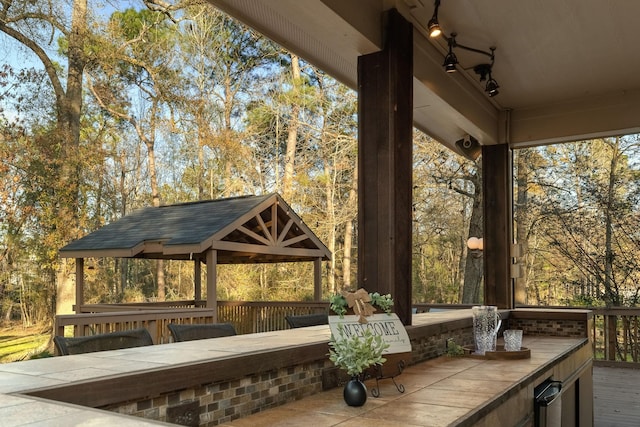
(19, 343)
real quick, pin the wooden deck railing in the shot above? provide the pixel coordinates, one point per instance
(132, 306)
(615, 332)
(251, 317)
(155, 320)
(246, 317)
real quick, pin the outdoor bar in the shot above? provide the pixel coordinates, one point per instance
(216, 381)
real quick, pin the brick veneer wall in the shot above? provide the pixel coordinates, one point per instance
(432, 346)
(228, 400)
(559, 328)
(558, 323)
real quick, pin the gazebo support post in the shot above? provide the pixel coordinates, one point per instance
(317, 279)
(212, 295)
(385, 156)
(197, 279)
(79, 285)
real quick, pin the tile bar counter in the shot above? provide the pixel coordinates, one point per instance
(231, 378)
(447, 391)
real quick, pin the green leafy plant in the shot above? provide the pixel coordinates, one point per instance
(383, 302)
(356, 353)
(339, 305)
(454, 349)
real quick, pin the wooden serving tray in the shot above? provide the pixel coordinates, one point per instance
(499, 354)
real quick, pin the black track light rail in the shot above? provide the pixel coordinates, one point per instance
(450, 61)
(454, 43)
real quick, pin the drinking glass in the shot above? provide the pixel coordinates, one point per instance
(513, 339)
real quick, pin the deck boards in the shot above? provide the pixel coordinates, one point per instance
(616, 397)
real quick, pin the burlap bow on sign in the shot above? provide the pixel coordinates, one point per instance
(359, 302)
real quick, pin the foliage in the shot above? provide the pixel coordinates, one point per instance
(338, 303)
(454, 349)
(383, 302)
(356, 353)
(582, 203)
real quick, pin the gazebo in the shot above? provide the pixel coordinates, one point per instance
(237, 230)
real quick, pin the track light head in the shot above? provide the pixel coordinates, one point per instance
(433, 26)
(450, 61)
(492, 87)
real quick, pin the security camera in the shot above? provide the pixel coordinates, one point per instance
(468, 141)
(469, 147)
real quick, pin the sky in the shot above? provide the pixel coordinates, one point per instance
(11, 52)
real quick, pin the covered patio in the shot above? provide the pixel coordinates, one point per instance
(557, 83)
(564, 73)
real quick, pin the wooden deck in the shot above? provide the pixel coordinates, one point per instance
(616, 397)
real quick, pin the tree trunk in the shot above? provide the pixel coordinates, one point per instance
(149, 141)
(612, 297)
(473, 271)
(292, 135)
(348, 233)
(124, 262)
(331, 219)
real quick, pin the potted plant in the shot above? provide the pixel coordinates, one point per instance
(355, 354)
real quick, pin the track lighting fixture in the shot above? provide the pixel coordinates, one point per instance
(451, 61)
(433, 25)
(492, 87)
(484, 71)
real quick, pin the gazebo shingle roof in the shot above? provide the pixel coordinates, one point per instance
(242, 229)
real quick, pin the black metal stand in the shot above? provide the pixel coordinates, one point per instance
(380, 375)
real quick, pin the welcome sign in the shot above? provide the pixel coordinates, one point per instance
(388, 326)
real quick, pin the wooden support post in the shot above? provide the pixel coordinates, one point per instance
(385, 156)
(497, 190)
(79, 284)
(611, 336)
(197, 280)
(212, 294)
(317, 279)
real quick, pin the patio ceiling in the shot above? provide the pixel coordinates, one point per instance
(568, 70)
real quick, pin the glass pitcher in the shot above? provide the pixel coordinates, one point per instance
(486, 324)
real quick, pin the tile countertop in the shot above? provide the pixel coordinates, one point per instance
(438, 392)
